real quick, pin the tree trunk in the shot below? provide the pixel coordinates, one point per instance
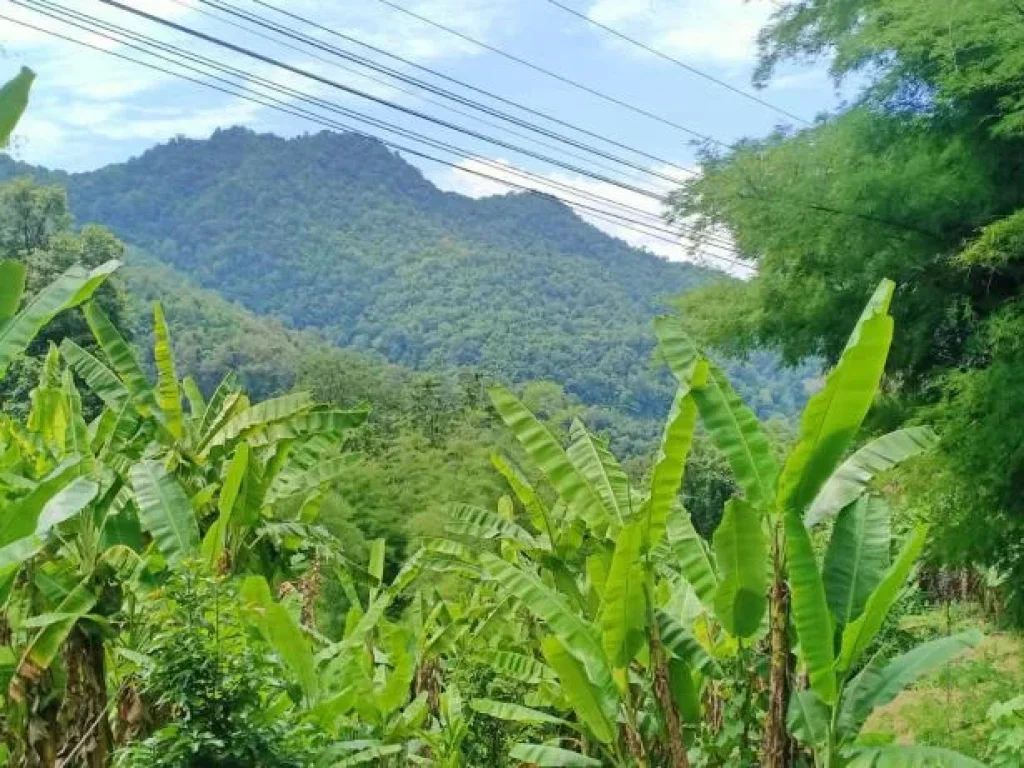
(84, 727)
(777, 751)
(666, 701)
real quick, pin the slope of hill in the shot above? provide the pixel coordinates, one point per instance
(335, 233)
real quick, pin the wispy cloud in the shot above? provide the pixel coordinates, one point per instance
(722, 31)
(82, 96)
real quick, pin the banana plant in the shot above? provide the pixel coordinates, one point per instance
(814, 485)
(249, 475)
(849, 598)
(599, 573)
(360, 688)
(61, 579)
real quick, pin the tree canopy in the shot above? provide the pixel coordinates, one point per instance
(918, 180)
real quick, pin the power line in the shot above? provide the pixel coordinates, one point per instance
(662, 55)
(812, 205)
(213, 39)
(447, 94)
(475, 89)
(552, 74)
(242, 92)
(361, 117)
(399, 89)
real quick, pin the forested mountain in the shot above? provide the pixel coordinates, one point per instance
(369, 253)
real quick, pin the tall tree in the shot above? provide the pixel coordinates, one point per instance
(918, 180)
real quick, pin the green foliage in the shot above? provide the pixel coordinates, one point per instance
(913, 180)
(379, 259)
(219, 686)
(13, 101)
(1006, 743)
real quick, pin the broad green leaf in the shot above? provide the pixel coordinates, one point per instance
(13, 100)
(371, 755)
(12, 287)
(76, 438)
(378, 548)
(678, 641)
(589, 703)
(811, 616)
(857, 635)
(670, 463)
(164, 510)
(517, 666)
(857, 557)
(45, 644)
(808, 718)
(259, 416)
(303, 425)
(877, 685)
(565, 623)
(834, 414)
(524, 492)
(284, 635)
(479, 523)
(21, 518)
(731, 424)
(601, 469)
(120, 356)
(287, 638)
(66, 503)
(516, 713)
(48, 416)
(623, 616)
(738, 434)
(216, 537)
(852, 477)
(218, 407)
(695, 562)
(61, 506)
(547, 756)
(677, 349)
(69, 290)
(742, 557)
(167, 395)
(196, 402)
(570, 484)
(685, 691)
(898, 756)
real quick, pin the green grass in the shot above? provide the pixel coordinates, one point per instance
(950, 708)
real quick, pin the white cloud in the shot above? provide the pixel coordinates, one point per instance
(811, 78)
(722, 31)
(85, 95)
(464, 181)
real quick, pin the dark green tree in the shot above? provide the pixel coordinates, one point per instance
(917, 179)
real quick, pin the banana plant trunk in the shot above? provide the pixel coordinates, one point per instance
(83, 724)
(777, 751)
(666, 701)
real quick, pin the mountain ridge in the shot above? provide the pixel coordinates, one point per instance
(335, 233)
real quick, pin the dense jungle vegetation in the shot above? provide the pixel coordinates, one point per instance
(225, 540)
(516, 287)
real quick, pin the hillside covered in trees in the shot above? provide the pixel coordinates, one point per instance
(372, 255)
(307, 464)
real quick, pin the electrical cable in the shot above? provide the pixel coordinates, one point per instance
(552, 74)
(602, 215)
(660, 54)
(244, 51)
(407, 91)
(174, 50)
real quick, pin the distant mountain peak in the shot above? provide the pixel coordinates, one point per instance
(338, 233)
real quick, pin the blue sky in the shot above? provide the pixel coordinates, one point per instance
(90, 109)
